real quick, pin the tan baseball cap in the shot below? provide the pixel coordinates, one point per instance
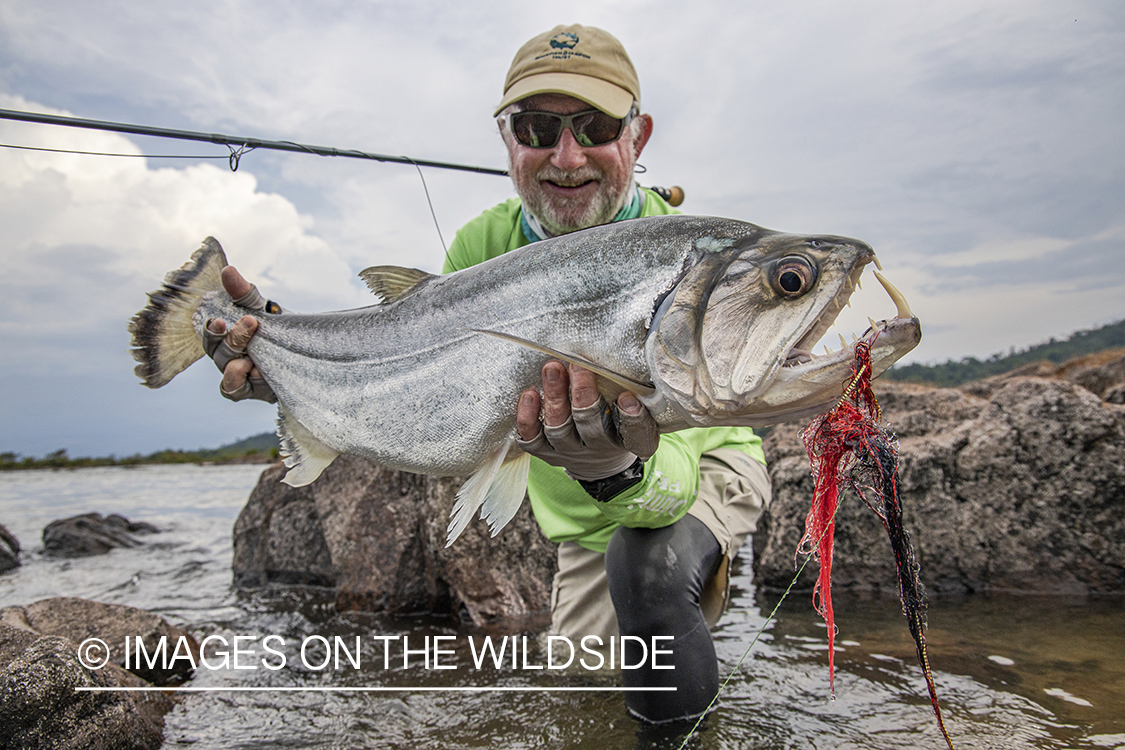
(580, 61)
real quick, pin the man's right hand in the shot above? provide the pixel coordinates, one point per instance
(241, 378)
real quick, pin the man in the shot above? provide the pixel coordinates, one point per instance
(647, 525)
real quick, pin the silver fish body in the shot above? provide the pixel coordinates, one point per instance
(706, 319)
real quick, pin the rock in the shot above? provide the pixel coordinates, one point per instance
(40, 705)
(378, 537)
(91, 534)
(41, 708)
(1102, 373)
(79, 619)
(1014, 484)
(9, 550)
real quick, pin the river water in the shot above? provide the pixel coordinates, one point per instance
(1011, 672)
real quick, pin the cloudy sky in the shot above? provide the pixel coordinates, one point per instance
(979, 147)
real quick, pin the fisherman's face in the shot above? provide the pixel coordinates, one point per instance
(571, 187)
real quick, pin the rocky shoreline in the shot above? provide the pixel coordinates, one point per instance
(41, 705)
(1015, 483)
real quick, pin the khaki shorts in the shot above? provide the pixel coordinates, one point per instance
(734, 490)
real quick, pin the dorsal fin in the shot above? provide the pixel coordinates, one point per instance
(392, 283)
(642, 390)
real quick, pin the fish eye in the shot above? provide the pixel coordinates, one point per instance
(793, 276)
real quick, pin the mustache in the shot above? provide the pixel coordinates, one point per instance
(569, 177)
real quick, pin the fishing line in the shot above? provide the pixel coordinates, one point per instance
(431, 204)
(749, 648)
(240, 145)
(233, 140)
(105, 153)
(233, 159)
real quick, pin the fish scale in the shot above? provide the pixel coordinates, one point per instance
(686, 312)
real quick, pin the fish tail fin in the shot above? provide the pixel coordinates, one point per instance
(497, 488)
(304, 455)
(163, 334)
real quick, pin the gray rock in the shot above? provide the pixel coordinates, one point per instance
(9, 550)
(1101, 373)
(40, 673)
(79, 619)
(378, 537)
(1015, 484)
(91, 534)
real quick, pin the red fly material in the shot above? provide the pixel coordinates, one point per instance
(848, 447)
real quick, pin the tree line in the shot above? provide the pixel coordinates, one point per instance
(957, 372)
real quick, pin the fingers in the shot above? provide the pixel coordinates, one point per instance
(234, 284)
(235, 376)
(638, 430)
(556, 394)
(527, 414)
(583, 387)
(241, 332)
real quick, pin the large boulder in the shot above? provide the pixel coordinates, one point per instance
(91, 534)
(9, 550)
(41, 705)
(78, 619)
(1014, 484)
(378, 537)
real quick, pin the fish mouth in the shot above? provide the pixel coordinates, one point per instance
(801, 357)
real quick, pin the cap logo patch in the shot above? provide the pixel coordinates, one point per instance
(562, 47)
(565, 40)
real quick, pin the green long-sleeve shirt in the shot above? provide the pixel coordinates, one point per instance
(671, 478)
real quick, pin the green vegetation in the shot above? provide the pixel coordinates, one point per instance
(953, 373)
(259, 448)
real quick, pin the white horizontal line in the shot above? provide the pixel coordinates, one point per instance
(494, 689)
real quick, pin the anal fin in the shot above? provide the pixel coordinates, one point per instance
(497, 488)
(304, 455)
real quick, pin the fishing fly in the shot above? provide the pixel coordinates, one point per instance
(849, 446)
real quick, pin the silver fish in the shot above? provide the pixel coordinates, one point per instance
(709, 321)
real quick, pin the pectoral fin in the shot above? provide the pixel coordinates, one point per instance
(497, 488)
(304, 455)
(642, 390)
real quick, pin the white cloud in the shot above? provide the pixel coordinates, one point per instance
(86, 238)
(977, 148)
(140, 222)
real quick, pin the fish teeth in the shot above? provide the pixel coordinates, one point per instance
(843, 342)
(900, 301)
(874, 325)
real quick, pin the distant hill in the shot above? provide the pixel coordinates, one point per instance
(256, 449)
(954, 373)
(264, 443)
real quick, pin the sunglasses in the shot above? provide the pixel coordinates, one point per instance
(591, 127)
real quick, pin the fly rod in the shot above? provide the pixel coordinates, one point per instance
(239, 145)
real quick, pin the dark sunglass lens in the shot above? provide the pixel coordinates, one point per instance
(596, 128)
(536, 129)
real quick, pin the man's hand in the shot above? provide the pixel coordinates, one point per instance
(580, 432)
(241, 378)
